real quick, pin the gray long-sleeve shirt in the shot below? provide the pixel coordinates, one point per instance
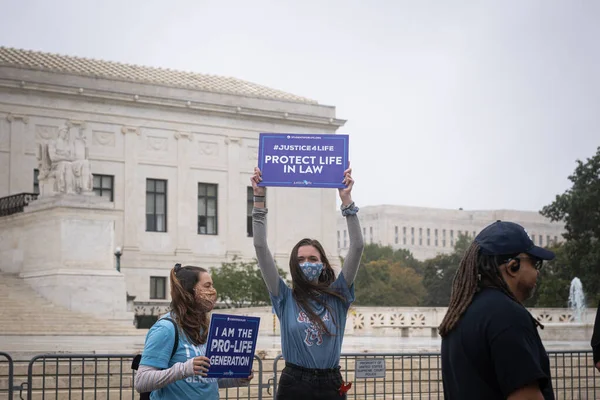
(267, 264)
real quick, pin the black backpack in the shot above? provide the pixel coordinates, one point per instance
(136, 360)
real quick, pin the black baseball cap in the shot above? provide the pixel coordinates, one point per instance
(504, 238)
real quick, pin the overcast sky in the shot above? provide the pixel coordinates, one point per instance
(473, 104)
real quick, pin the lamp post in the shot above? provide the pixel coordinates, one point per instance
(118, 253)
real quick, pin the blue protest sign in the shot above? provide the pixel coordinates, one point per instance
(231, 344)
(295, 160)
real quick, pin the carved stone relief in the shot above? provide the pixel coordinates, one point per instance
(105, 139)
(157, 143)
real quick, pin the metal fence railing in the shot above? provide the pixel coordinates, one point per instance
(419, 375)
(104, 376)
(6, 375)
(391, 376)
(81, 376)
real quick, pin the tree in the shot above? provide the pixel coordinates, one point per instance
(579, 209)
(438, 273)
(552, 286)
(388, 277)
(385, 283)
(240, 284)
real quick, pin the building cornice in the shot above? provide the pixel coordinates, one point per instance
(230, 111)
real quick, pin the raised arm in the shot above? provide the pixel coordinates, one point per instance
(349, 210)
(259, 233)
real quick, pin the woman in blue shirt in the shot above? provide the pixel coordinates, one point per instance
(313, 312)
(181, 374)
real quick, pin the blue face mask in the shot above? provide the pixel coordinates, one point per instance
(311, 271)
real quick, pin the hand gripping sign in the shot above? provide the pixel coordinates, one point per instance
(296, 160)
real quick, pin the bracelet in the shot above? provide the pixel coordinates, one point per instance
(259, 199)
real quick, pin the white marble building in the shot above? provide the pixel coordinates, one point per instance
(172, 152)
(427, 232)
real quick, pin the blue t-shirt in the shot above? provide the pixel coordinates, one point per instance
(302, 341)
(157, 353)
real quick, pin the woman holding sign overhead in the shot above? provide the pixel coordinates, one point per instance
(313, 312)
(173, 363)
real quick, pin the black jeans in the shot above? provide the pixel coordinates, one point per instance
(309, 384)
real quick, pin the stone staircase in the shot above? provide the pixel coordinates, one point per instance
(24, 312)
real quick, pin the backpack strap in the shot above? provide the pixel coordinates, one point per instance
(135, 363)
(176, 344)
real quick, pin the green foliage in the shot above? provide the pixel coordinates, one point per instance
(579, 256)
(240, 284)
(388, 277)
(438, 274)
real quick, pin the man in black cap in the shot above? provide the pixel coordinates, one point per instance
(491, 348)
(596, 340)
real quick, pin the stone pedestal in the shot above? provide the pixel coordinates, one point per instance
(67, 244)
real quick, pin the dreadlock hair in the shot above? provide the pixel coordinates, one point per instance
(189, 317)
(304, 290)
(476, 270)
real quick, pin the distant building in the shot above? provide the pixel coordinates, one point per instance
(427, 232)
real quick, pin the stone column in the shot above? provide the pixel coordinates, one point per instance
(235, 203)
(186, 208)
(17, 182)
(132, 194)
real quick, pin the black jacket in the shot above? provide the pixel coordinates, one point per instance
(596, 337)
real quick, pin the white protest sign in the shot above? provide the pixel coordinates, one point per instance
(370, 368)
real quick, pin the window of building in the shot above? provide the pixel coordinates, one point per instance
(36, 182)
(541, 239)
(103, 186)
(533, 238)
(345, 239)
(371, 233)
(158, 287)
(555, 239)
(548, 240)
(396, 235)
(338, 239)
(207, 209)
(156, 205)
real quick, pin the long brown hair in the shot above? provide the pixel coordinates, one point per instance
(304, 290)
(476, 271)
(184, 308)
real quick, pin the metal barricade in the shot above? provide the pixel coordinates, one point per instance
(397, 376)
(7, 371)
(412, 375)
(104, 376)
(419, 376)
(54, 376)
(574, 375)
(254, 391)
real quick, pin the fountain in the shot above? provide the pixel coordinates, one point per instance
(577, 300)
